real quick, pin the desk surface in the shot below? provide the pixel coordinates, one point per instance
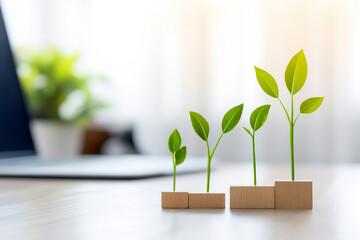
(80, 209)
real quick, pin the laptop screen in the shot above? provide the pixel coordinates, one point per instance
(15, 138)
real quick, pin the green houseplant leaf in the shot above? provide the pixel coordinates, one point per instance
(200, 125)
(248, 131)
(51, 81)
(257, 119)
(295, 77)
(180, 155)
(311, 105)
(259, 116)
(232, 118)
(267, 82)
(296, 72)
(174, 141)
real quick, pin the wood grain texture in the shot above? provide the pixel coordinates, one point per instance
(252, 197)
(293, 195)
(39, 209)
(206, 200)
(174, 200)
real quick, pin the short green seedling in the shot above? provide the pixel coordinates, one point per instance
(257, 119)
(201, 127)
(178, 153)
(295, 76)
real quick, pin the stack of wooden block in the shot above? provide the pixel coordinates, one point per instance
(284, 195)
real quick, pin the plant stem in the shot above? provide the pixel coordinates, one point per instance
(292, 151)
(292, 124)
(217, 143)
(254, 161)
(296, 118)
(208, 167)
(174, 178)
(210, 156)
(174, 181)
(292, 138)
(287, 114)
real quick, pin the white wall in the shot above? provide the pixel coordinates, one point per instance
(164, 58)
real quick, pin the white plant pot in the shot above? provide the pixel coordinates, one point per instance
(55, 139)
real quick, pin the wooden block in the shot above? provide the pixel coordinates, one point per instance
(293, 194)
(252, 197)
(206, 200)
(175, 200)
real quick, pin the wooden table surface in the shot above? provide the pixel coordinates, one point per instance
(109, 209)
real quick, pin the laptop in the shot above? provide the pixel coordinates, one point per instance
(18, 155)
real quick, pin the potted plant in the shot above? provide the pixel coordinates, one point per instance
(201, 128)
(58, 98)
(291, 194)
(253, 196)
(175, 199)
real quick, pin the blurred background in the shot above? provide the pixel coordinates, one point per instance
(119, 76)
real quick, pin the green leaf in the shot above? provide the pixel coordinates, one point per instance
(174, 141)
(180, 155)
(296, 72)
(267, 82)
(232, 118)
(200, 125)
(248, 131)
(259, 116)
(311, 105)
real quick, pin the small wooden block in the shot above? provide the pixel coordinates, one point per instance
(252, 197)
(206, 200)
(293, 194)
(175, 200)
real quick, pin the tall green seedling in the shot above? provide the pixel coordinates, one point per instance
(257, 119)
(201, 127)
(178, 153)
(295, 76)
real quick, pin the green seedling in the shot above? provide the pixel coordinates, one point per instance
(257, 119)
(178, 153)
(201, 127)
(295, 76)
